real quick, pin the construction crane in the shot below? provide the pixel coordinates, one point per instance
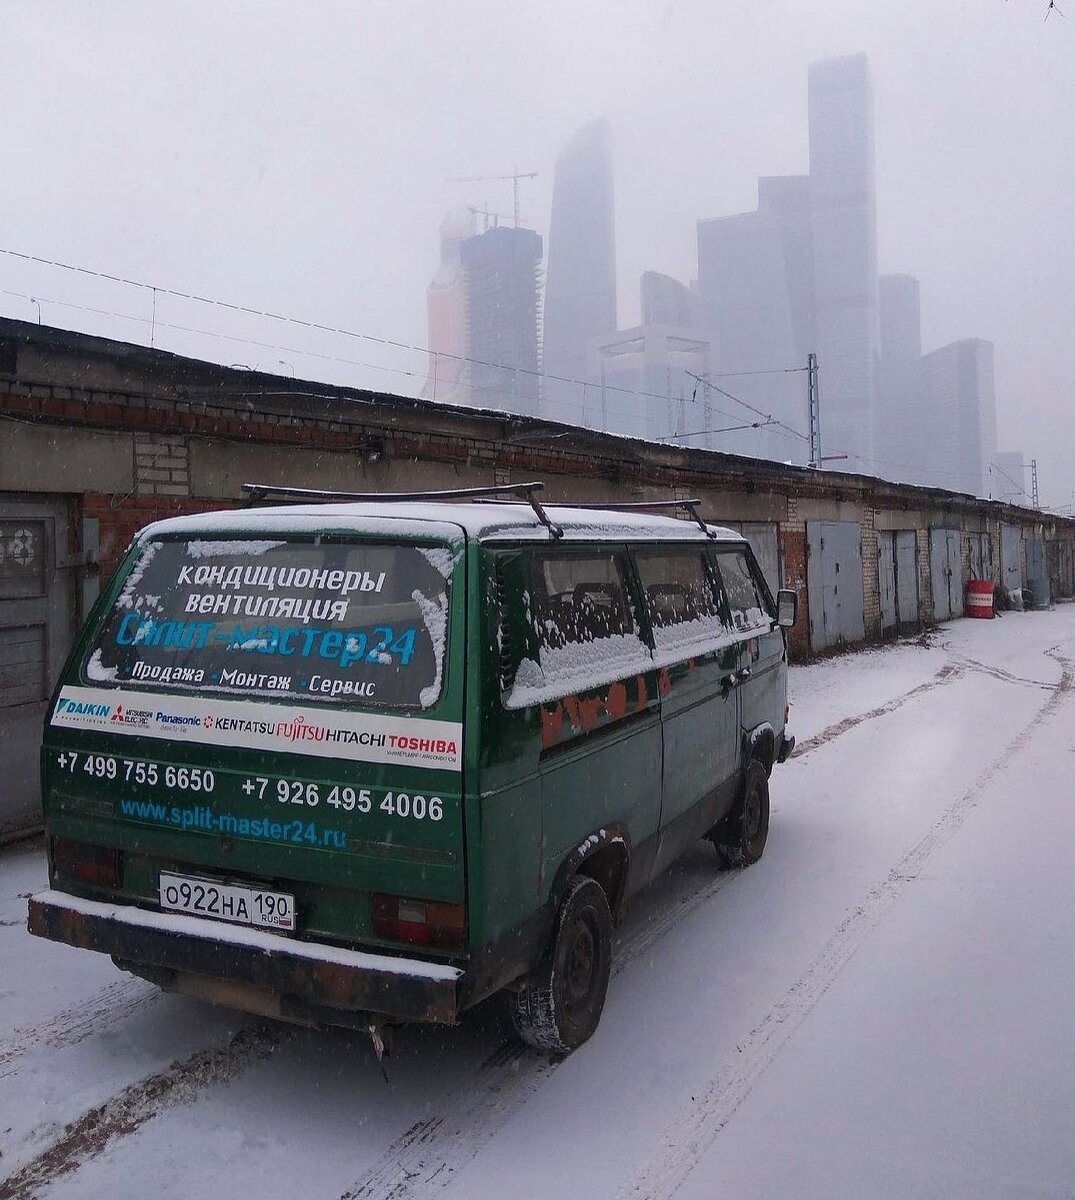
(515, 176)
(485, 215)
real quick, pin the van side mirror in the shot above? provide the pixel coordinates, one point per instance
(787, 607)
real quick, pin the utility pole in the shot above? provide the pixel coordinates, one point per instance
(1034, 483)
(813, 411)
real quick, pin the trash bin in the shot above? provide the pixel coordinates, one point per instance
(980, 599)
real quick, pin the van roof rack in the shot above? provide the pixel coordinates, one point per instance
(260, 493)
(687, 506)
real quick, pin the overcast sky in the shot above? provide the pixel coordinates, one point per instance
(293, 156)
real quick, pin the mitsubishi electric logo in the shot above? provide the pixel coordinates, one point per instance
(138, 717)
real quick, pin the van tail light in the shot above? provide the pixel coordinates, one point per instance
(420, 922)
(787, 712)
(81, 862)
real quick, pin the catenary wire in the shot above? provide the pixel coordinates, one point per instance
(248, 310)
(296, 350)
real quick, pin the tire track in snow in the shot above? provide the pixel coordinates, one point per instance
(435, 1149)
(687, 1138)
(947, 674)
(79, 1021)
(125, 1113)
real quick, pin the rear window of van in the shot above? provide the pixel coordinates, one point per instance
(351, 622)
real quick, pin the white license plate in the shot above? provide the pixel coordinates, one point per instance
(227, 902)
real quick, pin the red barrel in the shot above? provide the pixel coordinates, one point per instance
(980, 598)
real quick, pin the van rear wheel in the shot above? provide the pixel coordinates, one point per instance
(740, 837)
(558, 1007)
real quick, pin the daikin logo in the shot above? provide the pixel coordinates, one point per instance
(81, 708)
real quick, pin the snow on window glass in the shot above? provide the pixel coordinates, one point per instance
(586, 629)
(749, 610)
(343, 621)
(683, 607)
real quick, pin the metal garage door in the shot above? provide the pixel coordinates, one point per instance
(886, 581)
(834, 583)
(36, 627)
(1011, 578)
(1061, 555)
(1037, 575)
(946, 572)
(981, 555)
(907, 613)
(897, 580)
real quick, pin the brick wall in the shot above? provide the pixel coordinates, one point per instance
(121, 517)
(793, 556)
(871, 587)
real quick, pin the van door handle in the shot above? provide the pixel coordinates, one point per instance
(741, 676)
(728, 682)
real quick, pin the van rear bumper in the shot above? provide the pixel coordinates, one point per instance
(312, 975)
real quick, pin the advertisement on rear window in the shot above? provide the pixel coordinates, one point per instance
(355, 623)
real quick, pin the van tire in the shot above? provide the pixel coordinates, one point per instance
(558, 1007)
(740, 837)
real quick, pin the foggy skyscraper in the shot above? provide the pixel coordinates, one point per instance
(580, 288)
(787, 198)
(901, 411)
(502, 268)
(645, 385)
(844, 220)
(743, 286)
(959, 439)
(666, 301)
(446, 312)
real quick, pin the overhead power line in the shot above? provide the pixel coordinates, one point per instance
(1020, 487)
(707, 381)
(267, 314)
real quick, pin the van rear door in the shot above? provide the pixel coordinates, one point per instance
(282, 713)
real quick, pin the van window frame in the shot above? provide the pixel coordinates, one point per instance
(702, 549)
(105, 606)
(753, 569)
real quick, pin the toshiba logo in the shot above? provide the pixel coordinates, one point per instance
(425, 745)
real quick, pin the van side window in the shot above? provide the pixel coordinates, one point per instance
(587, 634)
(683, 605)
(748, 606)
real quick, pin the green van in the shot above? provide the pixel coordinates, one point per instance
(372, 759)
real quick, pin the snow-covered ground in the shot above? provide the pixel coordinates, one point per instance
(883, 1007)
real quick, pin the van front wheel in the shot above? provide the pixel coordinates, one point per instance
(558, 1007)
(740, 837)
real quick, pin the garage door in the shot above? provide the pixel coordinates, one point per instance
(908, 615)
(36, 619)
(1011, 570)
(946, 572)
(834, 583)
(886, 580)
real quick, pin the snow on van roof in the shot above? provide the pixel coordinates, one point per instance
(440, 520)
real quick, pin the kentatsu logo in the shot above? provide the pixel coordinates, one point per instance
(80, 708)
